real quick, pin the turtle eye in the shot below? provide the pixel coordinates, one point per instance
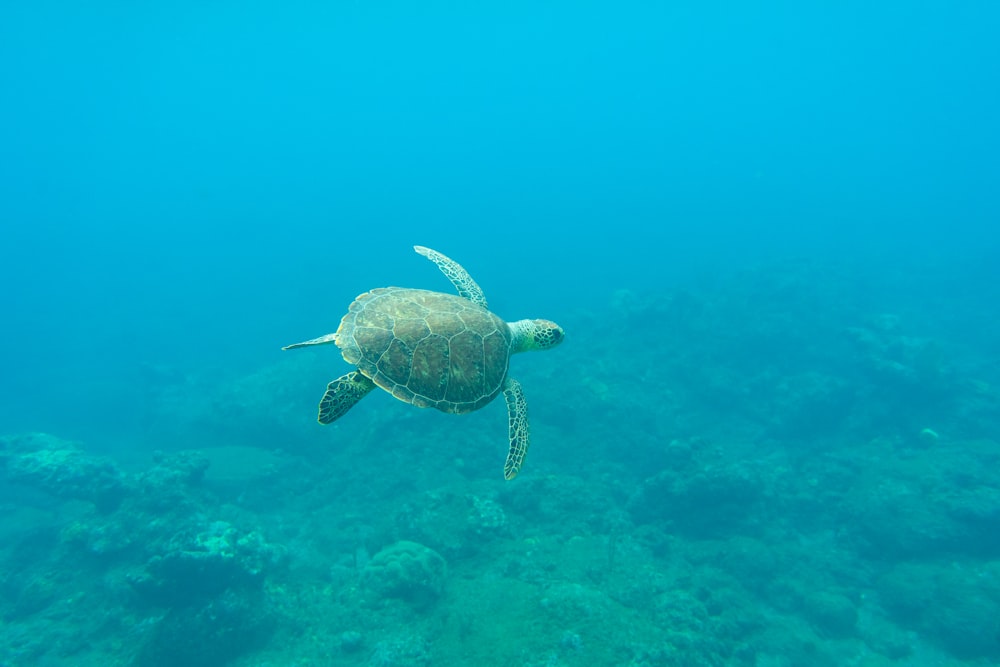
(553, 337)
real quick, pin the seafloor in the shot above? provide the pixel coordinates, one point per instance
(779, 467)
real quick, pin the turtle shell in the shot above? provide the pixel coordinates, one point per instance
(427, 348)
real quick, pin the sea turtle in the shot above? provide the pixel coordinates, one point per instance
(434, 350)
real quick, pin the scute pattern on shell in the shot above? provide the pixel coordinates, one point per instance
(427, 348)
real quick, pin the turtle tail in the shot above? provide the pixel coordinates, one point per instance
(322, 340)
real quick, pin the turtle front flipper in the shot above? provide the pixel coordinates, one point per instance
(342, 394)
(322, 340)
(517, 419)
(458, 276)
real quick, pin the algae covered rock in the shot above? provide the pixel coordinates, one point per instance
(704, 500)
(402, 651)
(406, 571)
(956, 606)
(200, 565)
(62, 468)
(831, 613)
(456, 525)
(172, 482)
(210, 633)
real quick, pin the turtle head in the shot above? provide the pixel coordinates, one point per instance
(535, 335)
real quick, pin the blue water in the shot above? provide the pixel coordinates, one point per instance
(770, 232)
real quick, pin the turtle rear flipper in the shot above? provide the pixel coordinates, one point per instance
(342, 394)
(517, 418)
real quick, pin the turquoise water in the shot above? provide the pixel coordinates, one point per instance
(769, 439)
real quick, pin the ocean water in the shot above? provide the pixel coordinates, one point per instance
(771, 233)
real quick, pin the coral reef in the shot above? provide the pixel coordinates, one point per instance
(775, 473)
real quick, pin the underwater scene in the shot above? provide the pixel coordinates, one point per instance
(623, 334)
